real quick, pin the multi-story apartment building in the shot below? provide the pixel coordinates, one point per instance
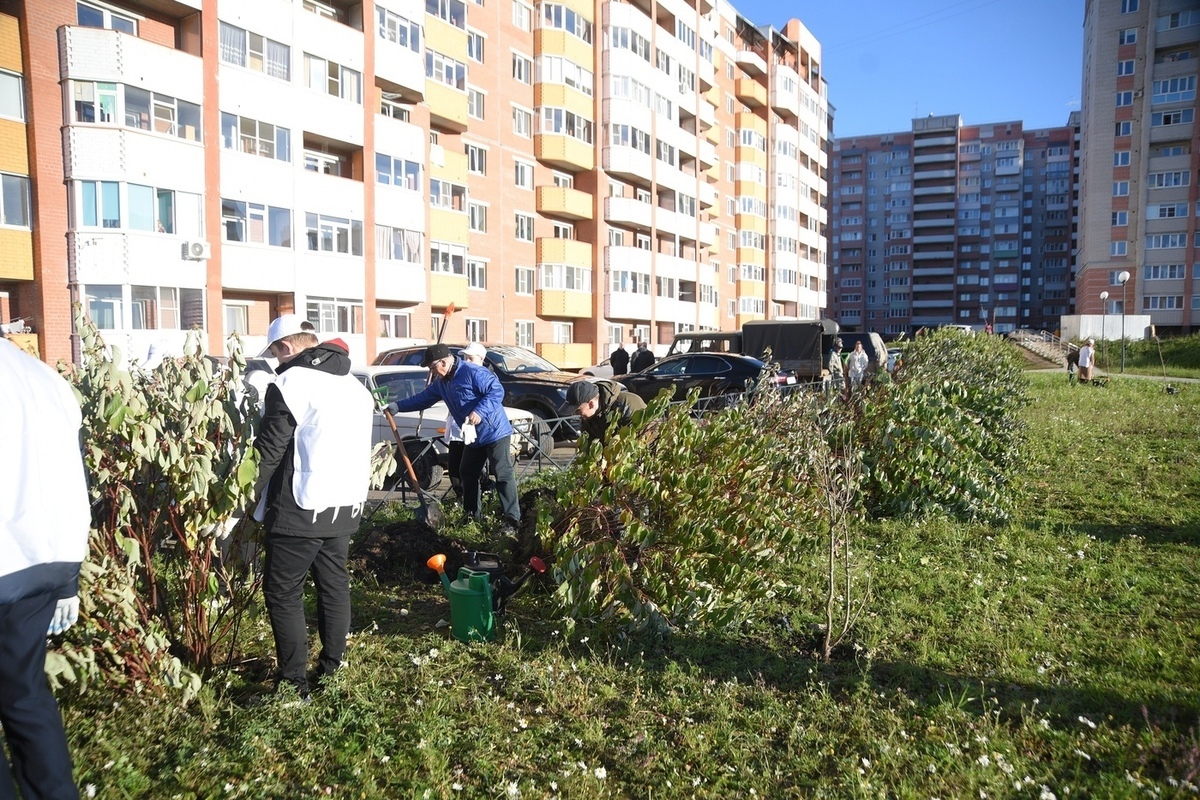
(563, 174)
(1140, 160)
(953, 224)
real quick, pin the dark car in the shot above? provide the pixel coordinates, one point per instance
(530, 383)
(718, 375)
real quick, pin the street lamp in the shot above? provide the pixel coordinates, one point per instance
(1124, 279)
(1103, 321)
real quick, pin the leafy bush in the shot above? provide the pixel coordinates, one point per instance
(945, 434)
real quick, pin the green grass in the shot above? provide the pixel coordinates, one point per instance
(1179, 357)
(1055, 654)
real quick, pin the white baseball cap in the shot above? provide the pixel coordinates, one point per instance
(475, 350)
(286, 325)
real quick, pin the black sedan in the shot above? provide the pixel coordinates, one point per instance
(716, 374)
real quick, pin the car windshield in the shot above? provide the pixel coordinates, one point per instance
(518, 360)
(395, 386)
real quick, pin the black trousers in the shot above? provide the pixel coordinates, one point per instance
(41, 762)
(290, 559)
(474, 459)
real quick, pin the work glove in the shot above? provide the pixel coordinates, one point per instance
(66, 614)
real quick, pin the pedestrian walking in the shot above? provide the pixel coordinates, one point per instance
(314, 448)
(44, 519)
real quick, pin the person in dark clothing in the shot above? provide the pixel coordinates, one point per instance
(314, 471)
(45, 514)
(642, 358)
(474, 397)
(619, 360)
(600, 402)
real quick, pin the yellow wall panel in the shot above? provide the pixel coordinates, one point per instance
(16, 255)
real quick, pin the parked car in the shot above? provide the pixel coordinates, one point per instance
(531, 383)
(602, 370)
(423, 431)
(716, 375)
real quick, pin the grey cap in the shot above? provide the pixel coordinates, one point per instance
(580, 392)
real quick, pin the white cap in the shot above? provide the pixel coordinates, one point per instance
(286, 325)
(475, 350)
(1091, 340)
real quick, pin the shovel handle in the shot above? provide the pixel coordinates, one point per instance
(408, 465)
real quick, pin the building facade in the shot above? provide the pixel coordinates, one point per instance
(952, 224)
(560, 175)
(1140, 159)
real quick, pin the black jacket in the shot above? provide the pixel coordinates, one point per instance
(619, 361)
(641, 360)
(615, 402)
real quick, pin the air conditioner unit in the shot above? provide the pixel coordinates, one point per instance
(197, 251)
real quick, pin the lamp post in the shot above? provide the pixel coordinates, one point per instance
(1103, 321)
(1124, 279)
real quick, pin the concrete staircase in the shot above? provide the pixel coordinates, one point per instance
(1044, 344)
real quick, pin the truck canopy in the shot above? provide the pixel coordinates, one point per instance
(797, 345)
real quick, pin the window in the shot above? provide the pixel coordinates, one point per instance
(1165, 180)
(12, 96)
(394, 323)
(524, 227)
(333, 79)
(564, 230)
(1181, 116)
(451, 11)
(1121, 158)
(447, 258)
(1120, 218)
(523, 174)
(477, 217)
(398, 244)
(1120, 188)
(257, 138)
(105, 306)
(1127, 36)
(445, 70)
(331, 315)
(524, 334)
(1124, 128)
(390, 108)
(1129, 6)
(1125, 67)
(563, 332)
(447, 195)
(1166, 241)
(555, 15)
(475, 41)
(563, 180)
(522, 122)
(101, 204)
(244, 49)
(522, 16)
(524, 280)
(333, 234)
(1162, 303)
(476, 159)
(476, 329)
(1166, 210)
(398, 30)
(477, 279)
(1174, 90)
(96, 16)
(117, 104)
(165, 308)
(568, 123)
(475, 99)
(557, 69)
(630, 282)
(14, 200)
(1164, 272)
(1180, 19)
(626, 39)
(1118, 248)
(522, 68)
(1124, 99)
(397, 172)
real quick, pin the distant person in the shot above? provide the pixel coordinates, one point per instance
(598, 403)
(619, 360)
(474, 396)
(314, 471)
(856, 365)
(1087, 359)
(45, 514)
(837, 380)
(642, 358)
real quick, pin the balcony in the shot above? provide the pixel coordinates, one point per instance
(934, 158)
(937, 238)
(751, 62)
(564, 203)
(933, 174)
(17, 247)
(446, 288)
(548, 41)
(934, 206)
(628, 162)
(750, 92)
(564, 303)
(926, 255)
(948, 222)
(449, 226)
(947, 188)
(936, 141)
(447, 107)
(564, 251)
(567, 356)
(628, 212)
(564, 152)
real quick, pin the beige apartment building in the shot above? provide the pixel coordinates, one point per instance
(1140, 159)
(562, 175)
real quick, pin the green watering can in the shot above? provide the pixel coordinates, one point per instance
(474, 600)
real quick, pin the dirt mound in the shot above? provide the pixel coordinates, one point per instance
(399, 551)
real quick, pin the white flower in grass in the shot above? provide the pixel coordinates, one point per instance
(866, 762)
(456, 786)
(1047, 794)
(984, 761)
(1088, 722)
(513, 790)
(90, 790)
(601, 773)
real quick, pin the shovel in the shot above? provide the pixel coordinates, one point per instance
(428, 510)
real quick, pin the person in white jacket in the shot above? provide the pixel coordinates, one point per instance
(856, 365)
(44, 520)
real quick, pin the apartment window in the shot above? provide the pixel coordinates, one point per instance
(245, 49)
(560, 17)
(616, 237)
(475, 42)
(327, 234)
(642, 241)
(1180, 19)
(1129, 6)
(448, 258)
(333, 79)
(524, 334)
(1124, 99)
(398, 244)
(398, 172)
(1166, 180)
(476, 159)
(477, 217)
(1127, 36)
(524, 226)
(255, 137)
(568, 123)
(1181, 116)
(1166, 210)
(563, 332)
(1162, 303)
(524, 280)
(1166, 241)
(1164, 272)
(1124, 128)
(395, 324)
(1174, 90)
(333, 315)
(630, 282)
(522, 16)
(447, 195)
(1120, 218)
(398, 30)
(115, 103)
(165, 308)
(255, 223)
(1120, 188)
(14, 200)
(1125, 67)
(1118, 248)
(94, 15)
(451, 11)
(445, 70)
(12, 96)
(477, 279)
(390, 108)
(522, 122)
(566, 277)
(564, 230)
(522, 68)
(476, 329)
(1121, 158)
(101, 204)
(563, 180)
(557, 69)
(475, 99)
(626, 39)
(523, 174)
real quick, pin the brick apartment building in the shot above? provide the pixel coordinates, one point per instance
(1140, 161)
(953, 224)
(566, 175)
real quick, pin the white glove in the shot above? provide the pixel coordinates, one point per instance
(66, 614)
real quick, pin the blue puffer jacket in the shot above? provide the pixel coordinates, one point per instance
(467, 387)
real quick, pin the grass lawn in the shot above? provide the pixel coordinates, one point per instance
(1055, 656)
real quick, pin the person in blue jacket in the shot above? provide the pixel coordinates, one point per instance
(474, 397)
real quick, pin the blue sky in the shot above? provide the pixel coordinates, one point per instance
(888, 61)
